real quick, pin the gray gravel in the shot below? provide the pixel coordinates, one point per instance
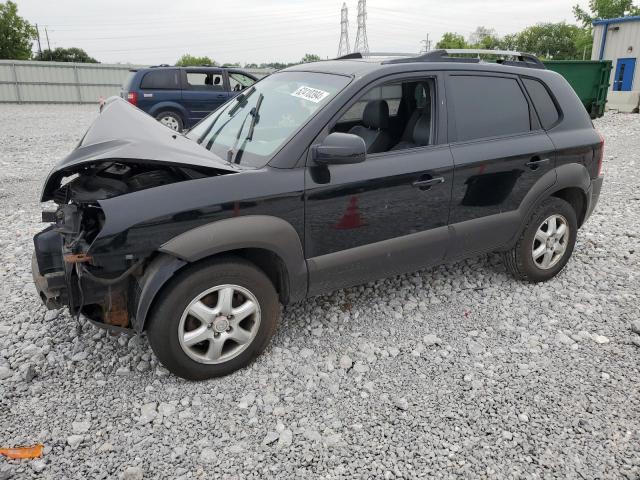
(458, 371)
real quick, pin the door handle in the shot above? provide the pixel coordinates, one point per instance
(428, 183)
(537, 162)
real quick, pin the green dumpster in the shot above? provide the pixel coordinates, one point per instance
(590, 80)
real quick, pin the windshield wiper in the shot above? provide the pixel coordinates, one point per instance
(241, 101)
(255, 118)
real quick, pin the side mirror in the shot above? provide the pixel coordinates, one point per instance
(340, 149)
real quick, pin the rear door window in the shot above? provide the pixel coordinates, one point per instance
(487, 106)
(205, 81)
(543, 103)
(165, 79)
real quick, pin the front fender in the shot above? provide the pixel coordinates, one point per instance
(252, 231)
(156, 275)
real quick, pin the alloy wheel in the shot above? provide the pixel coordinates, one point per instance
(170, 122)
(550, 242)
(219, 324)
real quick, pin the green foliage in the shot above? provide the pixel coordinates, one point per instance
(187, 60)
(16, 34)
(276, 65)
(484, 37)
(452, 40)
(509, 42)
(558, 41)
(605, 9)
(310, 57)
(231, 64)
(72, 54)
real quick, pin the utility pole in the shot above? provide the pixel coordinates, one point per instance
(48, 44)
(39, 46)
(427, 44)
(344, 48)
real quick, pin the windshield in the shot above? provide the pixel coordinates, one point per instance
(254, 125)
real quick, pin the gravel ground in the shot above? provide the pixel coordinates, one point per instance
(454, 372)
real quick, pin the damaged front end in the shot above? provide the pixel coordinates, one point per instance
(122, 154)
(65, 271)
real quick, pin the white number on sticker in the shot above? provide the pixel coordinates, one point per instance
(312, 94)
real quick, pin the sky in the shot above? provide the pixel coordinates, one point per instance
(160, 31)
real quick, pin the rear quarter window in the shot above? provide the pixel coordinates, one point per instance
(128, 83)
(161, 80)
(487, 106)
(542, 102)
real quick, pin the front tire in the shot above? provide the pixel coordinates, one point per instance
(214, 319)
(546, 243)
(171, 120)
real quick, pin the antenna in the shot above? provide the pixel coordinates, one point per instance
(362, 44)
(343, 48)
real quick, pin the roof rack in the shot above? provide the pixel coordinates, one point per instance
(358, 55)
(349, 56)
(514, 59)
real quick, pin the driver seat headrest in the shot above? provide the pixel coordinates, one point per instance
(376, 115)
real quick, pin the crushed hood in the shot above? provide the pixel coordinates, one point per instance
(125, 134)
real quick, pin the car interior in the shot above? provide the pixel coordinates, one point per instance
(392, 117)
(204, 81)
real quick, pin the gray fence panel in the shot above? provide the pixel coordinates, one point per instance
(8, 92)
(54, 93)
(6, 72)
(59, 82)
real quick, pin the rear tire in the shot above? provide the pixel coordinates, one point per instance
(546, 243)
(198, 330)
(171, 120)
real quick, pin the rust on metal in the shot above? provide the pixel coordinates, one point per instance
(115, 309)
(77, 258)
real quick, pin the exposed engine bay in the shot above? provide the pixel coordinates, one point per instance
(111, 179)
(103, 288)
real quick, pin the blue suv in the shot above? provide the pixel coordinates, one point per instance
(179, 97)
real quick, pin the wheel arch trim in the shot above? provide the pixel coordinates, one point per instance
(247, 232)
(570, 175)
(168, 106)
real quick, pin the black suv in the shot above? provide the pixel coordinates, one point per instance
(318, 177)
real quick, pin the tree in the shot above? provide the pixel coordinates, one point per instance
(452, 40)
(604, 9)
(483, 36)
(72, 54)
(558, 41)
(231, 64)
(187, 60)
(310, 57)
(509, 42)
(16, 34)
